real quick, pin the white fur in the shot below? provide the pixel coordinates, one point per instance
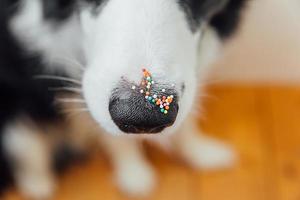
(120, 42)
(134, 175)
(31, 158)
(55, 42)
(210, 47)
(201, 151)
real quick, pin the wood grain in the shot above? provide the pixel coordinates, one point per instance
(262, 123)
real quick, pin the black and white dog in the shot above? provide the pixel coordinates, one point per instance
(44, 45)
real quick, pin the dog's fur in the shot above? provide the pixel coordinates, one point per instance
(86, 46)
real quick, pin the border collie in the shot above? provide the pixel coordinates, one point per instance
(97, 48)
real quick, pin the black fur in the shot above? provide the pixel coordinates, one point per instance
(21, 93)
(224, 20)
(58, 10)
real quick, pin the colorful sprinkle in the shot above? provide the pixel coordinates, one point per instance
(162, 102)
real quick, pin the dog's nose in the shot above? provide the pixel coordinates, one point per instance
(134, 112)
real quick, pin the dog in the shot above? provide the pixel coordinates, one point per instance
(96, 50)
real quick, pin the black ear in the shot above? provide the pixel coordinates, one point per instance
(227, 20)
(200, 10)
(222, 15)
(58, 9)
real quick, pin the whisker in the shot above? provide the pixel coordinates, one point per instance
(210, 82)
(76, 110)
(208, 96)
(60, 78)
(71, 100)
(68, 89)
(72, 112)
(77, 64)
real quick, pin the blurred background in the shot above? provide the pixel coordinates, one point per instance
(266, 50)
(253, 103)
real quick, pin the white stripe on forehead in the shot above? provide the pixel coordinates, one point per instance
(53, 41)
(142, 28)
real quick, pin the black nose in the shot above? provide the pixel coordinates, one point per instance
(135, 114)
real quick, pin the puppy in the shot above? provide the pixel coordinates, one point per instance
(97, 48)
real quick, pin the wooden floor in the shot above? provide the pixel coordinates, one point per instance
(262, 123)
